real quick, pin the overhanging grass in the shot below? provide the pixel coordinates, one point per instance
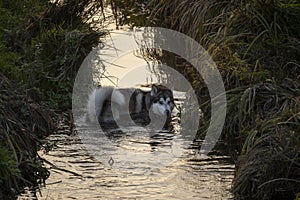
(23, 124)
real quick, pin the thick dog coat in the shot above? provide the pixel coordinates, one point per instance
(108, 104)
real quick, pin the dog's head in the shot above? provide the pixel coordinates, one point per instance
(162, 100)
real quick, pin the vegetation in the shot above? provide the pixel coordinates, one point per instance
(256, 45)
(23, 125)
(42, 46)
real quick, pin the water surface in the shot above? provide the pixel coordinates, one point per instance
(79, 175)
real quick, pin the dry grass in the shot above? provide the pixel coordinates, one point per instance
(249, 40)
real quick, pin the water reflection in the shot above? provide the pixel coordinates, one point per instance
(189, 177)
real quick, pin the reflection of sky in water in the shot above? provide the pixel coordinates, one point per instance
(187, 178)
(117, 63)
(120, 68)
(127, 71)
(135, 147)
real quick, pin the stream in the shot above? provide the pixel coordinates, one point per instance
(79, 175)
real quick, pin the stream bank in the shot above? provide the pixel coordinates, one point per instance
(24, 125)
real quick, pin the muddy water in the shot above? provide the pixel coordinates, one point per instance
(75, 174)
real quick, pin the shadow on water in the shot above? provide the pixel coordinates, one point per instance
(145, 175)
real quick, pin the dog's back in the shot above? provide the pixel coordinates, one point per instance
(107, 104)
(100, 101)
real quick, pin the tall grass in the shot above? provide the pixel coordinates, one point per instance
(252, 40)
(23, 124)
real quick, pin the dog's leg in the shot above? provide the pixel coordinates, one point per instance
(96, 101)
(139, 102)
(117, 102)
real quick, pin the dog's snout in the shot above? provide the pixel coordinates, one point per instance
(167, 112)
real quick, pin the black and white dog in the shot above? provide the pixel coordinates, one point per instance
(107, 104)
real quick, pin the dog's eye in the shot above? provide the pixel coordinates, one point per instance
(168, 102)
(160, 102)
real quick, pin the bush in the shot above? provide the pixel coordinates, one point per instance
(47, 55)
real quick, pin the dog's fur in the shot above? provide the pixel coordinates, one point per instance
(108, 104)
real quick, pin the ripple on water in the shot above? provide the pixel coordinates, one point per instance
(85, 177)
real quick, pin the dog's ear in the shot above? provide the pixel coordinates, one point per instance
(154, 90)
